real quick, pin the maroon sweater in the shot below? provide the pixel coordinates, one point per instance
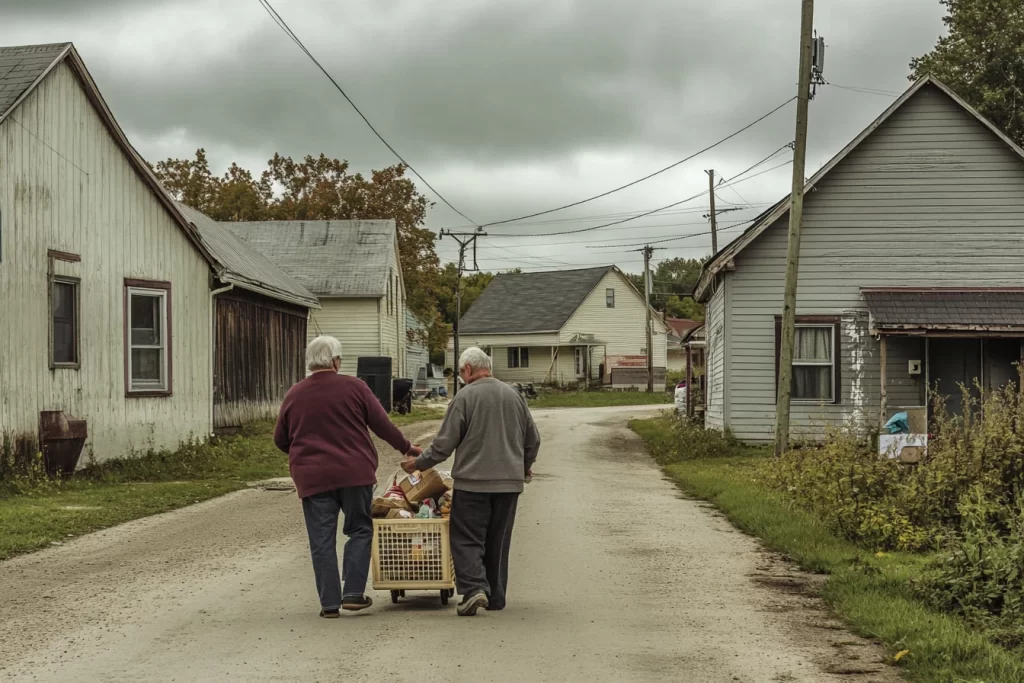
(323, 429)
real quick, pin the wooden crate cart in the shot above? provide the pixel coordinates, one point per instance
(412, 554)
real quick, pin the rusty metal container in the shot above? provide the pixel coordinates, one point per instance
(61, 439)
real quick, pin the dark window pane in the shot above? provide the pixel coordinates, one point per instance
(146, 367)
(524, 358)
(145, 311)
(65, 323)
(609, 298)
(512, 360)
(812, 382)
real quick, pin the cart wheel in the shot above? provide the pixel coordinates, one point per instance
(444, 597)
(401, 594)
(451, 592)
(394, 597)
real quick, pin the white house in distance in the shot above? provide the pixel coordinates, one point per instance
(353, 268)
(108, 290)
(564, 327)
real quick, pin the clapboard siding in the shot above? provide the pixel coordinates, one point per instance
(931, 198)
(393, 316)
(356, 323)
(623, 328)
(715, 364)
(66, 185)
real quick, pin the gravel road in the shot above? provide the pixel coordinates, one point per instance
(615, 577)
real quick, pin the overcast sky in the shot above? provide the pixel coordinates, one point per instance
(506, 107)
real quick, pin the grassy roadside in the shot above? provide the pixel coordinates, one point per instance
(112, 493)
(599, 399)
(871, 593)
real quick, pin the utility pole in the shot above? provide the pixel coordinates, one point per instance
(464, 240)
(714, 214)
(650, 324)
(796, 211)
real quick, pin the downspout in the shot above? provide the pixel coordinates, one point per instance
(213, 343)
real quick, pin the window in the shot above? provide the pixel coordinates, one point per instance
(609, 298)
(815, 371)
(148, 323)
(64, 321)
(389, 294)
(518, 357)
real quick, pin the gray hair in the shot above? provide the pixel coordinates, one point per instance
(475, 358)
(321, 352)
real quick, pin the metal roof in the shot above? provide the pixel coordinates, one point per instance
(918, 309)
(530, 302)
(243, 266)
(330, 258)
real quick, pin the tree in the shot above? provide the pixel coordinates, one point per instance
(321, 188)
(674, 280)
(982, 59)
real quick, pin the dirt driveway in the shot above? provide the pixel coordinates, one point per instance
(614, 578)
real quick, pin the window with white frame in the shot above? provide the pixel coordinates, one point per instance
(148, 363)
(518, 357)
(609, 297)
(64, 322)
(814, 370)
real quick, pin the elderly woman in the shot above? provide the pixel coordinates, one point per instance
(323, 427)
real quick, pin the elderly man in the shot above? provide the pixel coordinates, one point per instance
(323, 427)
(490, 426)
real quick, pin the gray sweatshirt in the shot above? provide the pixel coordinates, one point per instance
(490, 425)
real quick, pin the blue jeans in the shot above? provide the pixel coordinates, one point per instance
(321, 513)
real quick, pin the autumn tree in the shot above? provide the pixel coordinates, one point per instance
(321, 188)
(674, 281)
(982, 59)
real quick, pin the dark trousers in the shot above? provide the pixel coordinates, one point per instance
(321, 513)
(481, 536)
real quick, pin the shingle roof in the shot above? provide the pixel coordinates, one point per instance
(530, 302)
(243, 266)
(945, 309)
(22, 66)
(330, 258)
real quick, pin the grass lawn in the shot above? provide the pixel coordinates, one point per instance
(871, 593)
(598, 399)
(115, 492)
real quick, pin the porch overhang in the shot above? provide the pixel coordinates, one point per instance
(946, 312)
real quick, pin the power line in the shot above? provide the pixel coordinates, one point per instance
(640, 180)
(291, 34)
(653, 211)
(866, 91)
(731, 226)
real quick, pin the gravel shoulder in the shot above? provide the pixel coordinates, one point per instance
(614, 577)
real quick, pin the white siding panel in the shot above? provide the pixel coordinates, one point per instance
(66, 185)
(715, 412)
(353, 322)
(930, 199)
(393, 316)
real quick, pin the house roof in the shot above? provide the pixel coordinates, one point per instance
(330, 258)
(530, 302)
(23, 68)
(243, 266)
(917, 310)
(723, 258)
(681, 326)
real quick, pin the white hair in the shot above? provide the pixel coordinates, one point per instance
(475, 358)
(321, 352)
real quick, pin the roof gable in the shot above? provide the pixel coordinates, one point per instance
(330, 258)
(23, 68)
(530, 302)
(243, 266)
(724, 258)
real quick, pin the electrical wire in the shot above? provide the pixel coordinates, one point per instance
(730, 226)
(866, 91)
(640, 180)
(291, 34)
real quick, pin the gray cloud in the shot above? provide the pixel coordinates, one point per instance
(506, 107)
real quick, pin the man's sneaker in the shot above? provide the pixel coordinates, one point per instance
(330, 613)
(355, 603)
(471, 603)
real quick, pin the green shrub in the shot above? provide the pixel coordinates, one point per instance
(980, 574)
(675, 439)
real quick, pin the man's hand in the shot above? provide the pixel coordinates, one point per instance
(409, 464)
(414, 451)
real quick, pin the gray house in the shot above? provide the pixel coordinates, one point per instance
(911, 276)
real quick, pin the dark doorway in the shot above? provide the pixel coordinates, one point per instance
(952, 362)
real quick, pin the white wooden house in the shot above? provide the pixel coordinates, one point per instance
(565, 327)
(910, 278)
(354, 269)
(107, 290)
